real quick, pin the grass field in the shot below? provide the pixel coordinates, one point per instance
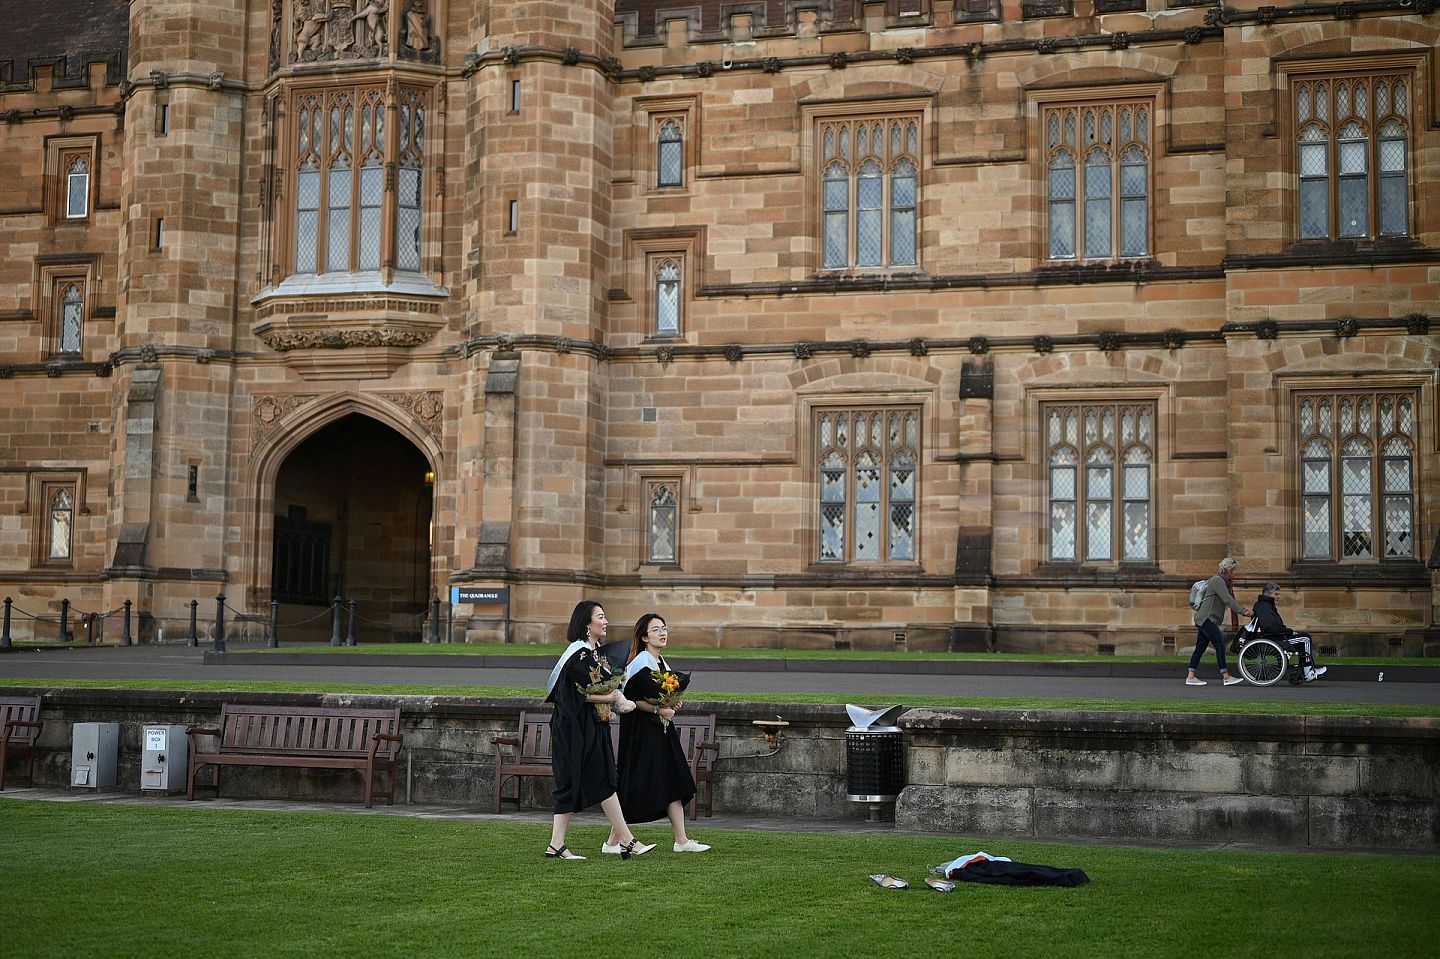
(120, 880)
(1209, 707)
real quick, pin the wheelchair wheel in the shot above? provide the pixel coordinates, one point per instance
(1263, 662)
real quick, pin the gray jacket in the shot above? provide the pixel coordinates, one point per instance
(1217, 597)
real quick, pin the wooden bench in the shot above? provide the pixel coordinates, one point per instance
(20, 728)
(312, 737)
(530, 755)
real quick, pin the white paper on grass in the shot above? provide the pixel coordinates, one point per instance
(863, 718)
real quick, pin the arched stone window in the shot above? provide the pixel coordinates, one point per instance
(1105, 514)
(871, 167)
(1089, 149)
(867, 463)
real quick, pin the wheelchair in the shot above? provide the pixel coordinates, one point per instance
(1265, 660)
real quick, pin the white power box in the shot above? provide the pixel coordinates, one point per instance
(164, 758)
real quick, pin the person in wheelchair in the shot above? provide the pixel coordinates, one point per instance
(1268, 623)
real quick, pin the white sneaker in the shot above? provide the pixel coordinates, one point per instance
(607, 848)
(690, 845)
(1320, 671)
(1309, 675)
(1194, 681)
(1233, 681)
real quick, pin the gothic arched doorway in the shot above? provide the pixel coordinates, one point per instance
(352, 508)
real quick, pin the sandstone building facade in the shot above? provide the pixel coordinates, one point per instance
(943, 323)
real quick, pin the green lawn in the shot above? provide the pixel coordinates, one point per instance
(1230, 707)
(116, 881)
(711, 652)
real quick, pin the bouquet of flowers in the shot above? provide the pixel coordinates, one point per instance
(600, 686)
(669, 698)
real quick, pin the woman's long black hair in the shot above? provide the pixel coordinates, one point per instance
(642, 627)
(580, 620)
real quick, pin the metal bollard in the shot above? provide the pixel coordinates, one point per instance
(335, 620)
(125, 633)
(435, 619)
(194, 639)
(350, 625)
(64, 620)
(5, 630)
(219, 645)
(273, 641)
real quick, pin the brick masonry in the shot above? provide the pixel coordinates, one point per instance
(518, 363)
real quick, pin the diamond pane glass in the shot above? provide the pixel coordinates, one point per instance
(1145, 422)
(407, 222)
(827, 430)
(1098, 482)
(836, 227)
(337, 233)
(1393, 215)
(1354, 206)
(61, 517)
(1352, 156)
(71, 313)
(902, 238)
(1327, 421)
(867, 531)
(1314, 209)
(1347, 417)
(1399, 529)
(912, 431)
(1133, 178)
(1097, 530)
(1053, 433)
(1097, 228)
(1062, 482)
(1357, 539)
(1407, 417)
(1402, 99)
(902, 478)
(842, 431)
(1062, 230)
(902, 190)
(1092, 424)
(1137, 531)
(832, 532)
(662, 534)
(869, 190)
(832, 479)
(1302, 102)
(1315, 476)
(77, 199)
(670, 162)
(1062, 178)
(1097, 176)
(1354, 476)
(1062, 531)
(902, 531)
(1397, 475)
(1314, 159)
(1316, 519)
(1137, 482)
(1364, 415)
(1135, 227)
(371, 194)
(1382, 98)
(1342, 100)
(869, 239)
(667, 302)
(1307, 417)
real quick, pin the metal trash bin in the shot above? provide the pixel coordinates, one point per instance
(874, 758)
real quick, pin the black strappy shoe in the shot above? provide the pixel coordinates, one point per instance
(634, 848)
(562, 853)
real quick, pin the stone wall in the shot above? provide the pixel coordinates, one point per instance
(1148, 777)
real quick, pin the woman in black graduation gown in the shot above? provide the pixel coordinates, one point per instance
(580, 750)
(655, 780)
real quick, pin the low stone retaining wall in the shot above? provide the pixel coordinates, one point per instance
(1146, 777)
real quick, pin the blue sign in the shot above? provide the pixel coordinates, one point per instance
(480, 595)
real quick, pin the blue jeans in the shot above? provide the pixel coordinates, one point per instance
(1206, 634)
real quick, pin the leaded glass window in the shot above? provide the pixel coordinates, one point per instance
(670, 154)
(1352, 141)
(667, 297)
(869, 168)
(1101, 513)
(348, 216)
(77, 188)
(1090, 150)
(868, 470)
(1357, 475)
(60, 534)
(72, 317)
(663, 530)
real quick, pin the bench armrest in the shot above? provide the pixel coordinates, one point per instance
(390, 737)
(379, 738)
(698, 758)
(506, 741)
(22, 724)
(194, 731)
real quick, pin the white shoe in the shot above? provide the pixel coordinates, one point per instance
(1320, 671)
(1194, 681)
(690, 845)
(1310, 675)
(614, 850)
(634, 848)
(1234, 681)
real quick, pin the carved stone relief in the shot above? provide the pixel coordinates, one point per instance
(339, 30)
(417, 38)
(427, 407)
(268, 411)
(283, 340)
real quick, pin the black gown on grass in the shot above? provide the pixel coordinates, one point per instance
(653, 772)
(581, 754)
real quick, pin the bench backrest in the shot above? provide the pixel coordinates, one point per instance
(535, 736)
(20, 709)
(306, 730)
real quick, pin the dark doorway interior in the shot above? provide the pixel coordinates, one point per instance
(352, 517)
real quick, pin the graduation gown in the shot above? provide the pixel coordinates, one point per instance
(580, 752)
(652, 771)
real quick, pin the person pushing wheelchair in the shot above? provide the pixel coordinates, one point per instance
(1269, 623)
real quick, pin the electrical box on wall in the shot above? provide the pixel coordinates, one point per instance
(93, 751)
(164, 758)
